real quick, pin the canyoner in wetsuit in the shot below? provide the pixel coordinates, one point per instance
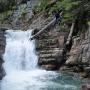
(58, 17)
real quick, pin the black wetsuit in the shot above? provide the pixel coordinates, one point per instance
(58, 18)
(57, 15)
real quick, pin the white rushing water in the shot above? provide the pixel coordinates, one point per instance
(21, 68)
(20, 51)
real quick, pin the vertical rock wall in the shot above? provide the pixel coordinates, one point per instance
(2, 50)
(85, 53)
(78, 59)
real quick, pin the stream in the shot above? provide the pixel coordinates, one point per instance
(22, 71)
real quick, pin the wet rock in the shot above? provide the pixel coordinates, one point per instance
(2, 50)
(87, 69)
(85, 87)
(49, 67)
(3, 29)
(2, 72)
(70, 68)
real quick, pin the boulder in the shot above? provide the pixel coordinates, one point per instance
(49, 67)
(85, 87)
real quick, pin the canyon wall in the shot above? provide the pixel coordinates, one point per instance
(55, 55)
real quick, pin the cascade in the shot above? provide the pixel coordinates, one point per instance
(22, 72)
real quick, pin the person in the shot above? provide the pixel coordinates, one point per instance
(58, 16)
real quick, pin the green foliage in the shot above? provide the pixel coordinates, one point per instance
(67, 5)
(6, 5)
(42, 6)
(71, 8)
(77, 11)
(5, 15)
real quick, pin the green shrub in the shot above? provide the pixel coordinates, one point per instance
(6, 5)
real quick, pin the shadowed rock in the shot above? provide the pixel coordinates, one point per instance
(2, 50)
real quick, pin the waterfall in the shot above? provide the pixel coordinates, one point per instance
(20, 51)
(21, 68)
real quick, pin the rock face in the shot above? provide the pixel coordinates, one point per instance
(2, 50)
(85, 52)
(78, 59)
(50, 44)
(51, 49)
(54, 55)
(73, 62)
(74, 52)
(85, 87)
(53, 52)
